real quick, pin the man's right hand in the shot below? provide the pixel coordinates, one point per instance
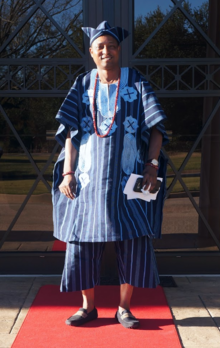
(68, 186)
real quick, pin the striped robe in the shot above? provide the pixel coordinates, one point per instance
(101, 212)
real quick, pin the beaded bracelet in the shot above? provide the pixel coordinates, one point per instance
(67, 173)
(152, 165)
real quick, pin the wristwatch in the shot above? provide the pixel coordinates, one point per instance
(153, 161)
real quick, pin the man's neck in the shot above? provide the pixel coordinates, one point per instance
(109, 76)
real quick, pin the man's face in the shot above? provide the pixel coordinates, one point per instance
(105, 52)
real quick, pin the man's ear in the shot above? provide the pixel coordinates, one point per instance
(90, 50)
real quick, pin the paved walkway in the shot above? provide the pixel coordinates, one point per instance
(195, 304)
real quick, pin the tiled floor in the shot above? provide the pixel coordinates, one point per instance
(195, 304)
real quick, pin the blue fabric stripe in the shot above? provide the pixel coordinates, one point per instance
(101, 202)
(152, 106)
(101, 212)
(106, 190)
(147, 94)
(95, 196)
(135, 258)
(119, 217)
(65, 118)
(151, 115)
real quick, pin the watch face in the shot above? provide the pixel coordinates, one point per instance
(155, 162)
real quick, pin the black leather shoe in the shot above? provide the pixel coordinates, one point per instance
(127, 319)
(81, 317)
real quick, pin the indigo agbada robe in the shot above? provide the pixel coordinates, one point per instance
(101, 212)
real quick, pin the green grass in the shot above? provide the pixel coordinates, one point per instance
(22, 187)
(193, 184)
(18, 166)
(193, 165)
(21, 173)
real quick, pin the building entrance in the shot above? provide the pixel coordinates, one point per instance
(175, 45)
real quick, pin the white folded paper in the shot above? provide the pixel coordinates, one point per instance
(131, 194)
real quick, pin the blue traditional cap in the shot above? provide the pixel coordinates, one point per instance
(105, 29)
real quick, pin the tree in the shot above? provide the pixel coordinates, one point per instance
(177, 39)
(39, 38)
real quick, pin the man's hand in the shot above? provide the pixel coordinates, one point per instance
(150, 173)
(68, 186)
(149, 178)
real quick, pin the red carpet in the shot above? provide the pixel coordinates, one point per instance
(44, 326)
(59, 246)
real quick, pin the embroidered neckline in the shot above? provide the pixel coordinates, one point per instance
(115, 108)
(123, 79)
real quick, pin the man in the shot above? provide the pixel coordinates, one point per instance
(110, 126)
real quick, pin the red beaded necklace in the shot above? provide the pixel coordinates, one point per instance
(116, 101)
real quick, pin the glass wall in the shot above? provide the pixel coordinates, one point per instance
(43, 45)
(173, 46)
(45, 31)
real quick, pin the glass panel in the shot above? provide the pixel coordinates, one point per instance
(177, 38)
(195, 4)
(210, 184)
(183, 229)
(143, 8)
(184, 77)
(33, 230)
(180, 230)
(39, 37)
(165, 6)
(191, 173)
(34, 121)
(41, 77)
(16, 10)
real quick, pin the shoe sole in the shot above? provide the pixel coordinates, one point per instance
(80, 322)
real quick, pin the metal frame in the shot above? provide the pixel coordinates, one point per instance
(192, 91)
(52, 263)
(178, 5)
(39, 5)
(202, 89)
(42, 67)
(121, 13)
(39, 173)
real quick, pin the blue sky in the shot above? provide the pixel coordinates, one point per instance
(145, 6)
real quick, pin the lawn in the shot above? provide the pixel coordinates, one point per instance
(19, 165)
(193, 167)
(17, 174)
(22, 187)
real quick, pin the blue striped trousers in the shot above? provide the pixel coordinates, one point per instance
(135, 259)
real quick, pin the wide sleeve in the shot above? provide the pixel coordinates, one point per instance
(68, 117)
(152, 114)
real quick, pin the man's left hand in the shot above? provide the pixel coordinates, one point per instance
(149, 178)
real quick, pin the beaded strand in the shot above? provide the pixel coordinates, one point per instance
(94, 113)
